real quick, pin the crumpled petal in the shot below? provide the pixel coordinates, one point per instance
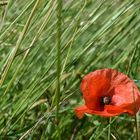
(127, 97)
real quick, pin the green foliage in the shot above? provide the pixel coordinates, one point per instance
(95, 34)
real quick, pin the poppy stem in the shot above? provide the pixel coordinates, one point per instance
(138, 125)
(136, 121)
(109, 129)
(137, 130)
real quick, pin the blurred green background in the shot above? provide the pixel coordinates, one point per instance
(95, 34)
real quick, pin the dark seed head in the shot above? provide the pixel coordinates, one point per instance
(106, 100)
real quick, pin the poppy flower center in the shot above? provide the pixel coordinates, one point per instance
(106, 100)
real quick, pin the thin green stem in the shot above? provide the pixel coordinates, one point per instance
(59, 8)
(128, 72)
(6, 5)
(136, 121)
(131, 60)
(109, 129)
(137, 133)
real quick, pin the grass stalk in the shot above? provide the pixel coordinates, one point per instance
(136, 121)
(59, 8)
(26, 52)
(128, 72)
(6, 5)
(109, 129)
(16, 19)
(21, 37)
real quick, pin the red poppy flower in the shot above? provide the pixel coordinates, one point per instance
(108, 92)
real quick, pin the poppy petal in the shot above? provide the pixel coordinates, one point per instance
(114, 109)
(127, 97)
(81, 110)
(91, 89)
